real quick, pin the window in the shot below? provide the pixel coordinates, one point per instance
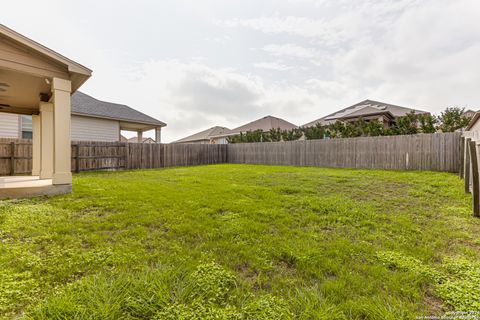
(26, 128)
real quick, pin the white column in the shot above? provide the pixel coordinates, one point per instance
(158, 135)
(46, 140)
(139, 136)
(62, 172)
(36, 145)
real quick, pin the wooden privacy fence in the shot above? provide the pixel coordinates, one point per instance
(16, 156)
(469, 169)
(435, 152)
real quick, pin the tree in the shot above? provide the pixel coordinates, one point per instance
(249, 136)
(315, 132)
(374, 128)
(428, 123)
(236, 138)
(453, 119)
(275, 135)
(336, 130)
(407, 124)
(291, 135)
(254, 136)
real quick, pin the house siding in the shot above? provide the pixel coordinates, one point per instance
(194, 142)
(475, 127)
(95, 129)
(9, 125)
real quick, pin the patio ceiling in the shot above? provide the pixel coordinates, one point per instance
(27, 70)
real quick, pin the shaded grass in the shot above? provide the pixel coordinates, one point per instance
(289, 242)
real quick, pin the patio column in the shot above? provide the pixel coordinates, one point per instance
(36, 145)
(46, 140)
(158, 135)
(62, 171)
(139, 136)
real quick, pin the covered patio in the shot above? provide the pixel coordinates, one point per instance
(37, 81)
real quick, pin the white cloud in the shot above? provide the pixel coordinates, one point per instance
(296, 26)
(290, 50)
(312, 56)
(191, 96)
(408, 54)
(272, 66)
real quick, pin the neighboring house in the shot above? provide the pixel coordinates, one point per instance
(474, 124)
(469, 113)
(264, 124)
(92, 120)
(367, 110)
(205, 136)
(135, 140)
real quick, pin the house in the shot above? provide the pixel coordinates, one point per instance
(474, 124)
(91, 120)
(38, 82)
(144, 140)
(469, 113)
(367, 110)
(264, 124)
(205, 136)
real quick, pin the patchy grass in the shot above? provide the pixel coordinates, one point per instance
(242, 242)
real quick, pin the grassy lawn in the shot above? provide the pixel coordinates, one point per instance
(242, 242)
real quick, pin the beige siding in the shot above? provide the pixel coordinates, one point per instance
(194, 142)
(94, 129)
(475, 127)
(9, 125)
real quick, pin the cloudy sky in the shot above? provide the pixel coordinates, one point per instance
(199, 63)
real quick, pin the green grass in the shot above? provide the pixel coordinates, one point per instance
(242, 242)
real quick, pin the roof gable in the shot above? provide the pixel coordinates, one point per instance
(473, 121)
(85, 105)
(367, 111)
(265, 124)
(205, 134)
(77, 73)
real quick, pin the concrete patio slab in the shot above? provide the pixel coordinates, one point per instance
(15, 187)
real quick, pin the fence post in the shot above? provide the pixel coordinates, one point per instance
(77, 158)
(126, 151)
(466, 180)
(462, 157)
(12, 158)
(475, 180)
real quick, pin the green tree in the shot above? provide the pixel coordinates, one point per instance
(428, 123)
(314, 132)
(453, 119)
(254, 136)
(407, 124)
(374, 128)
(275, 135)
(235, 139)
(291, 135)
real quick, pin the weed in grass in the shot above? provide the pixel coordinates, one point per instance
(206, 293)
(456, 280)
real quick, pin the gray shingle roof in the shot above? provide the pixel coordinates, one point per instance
(83, 104)
(205, 134)
(265, 124)
(365, 108)
(367, 111)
